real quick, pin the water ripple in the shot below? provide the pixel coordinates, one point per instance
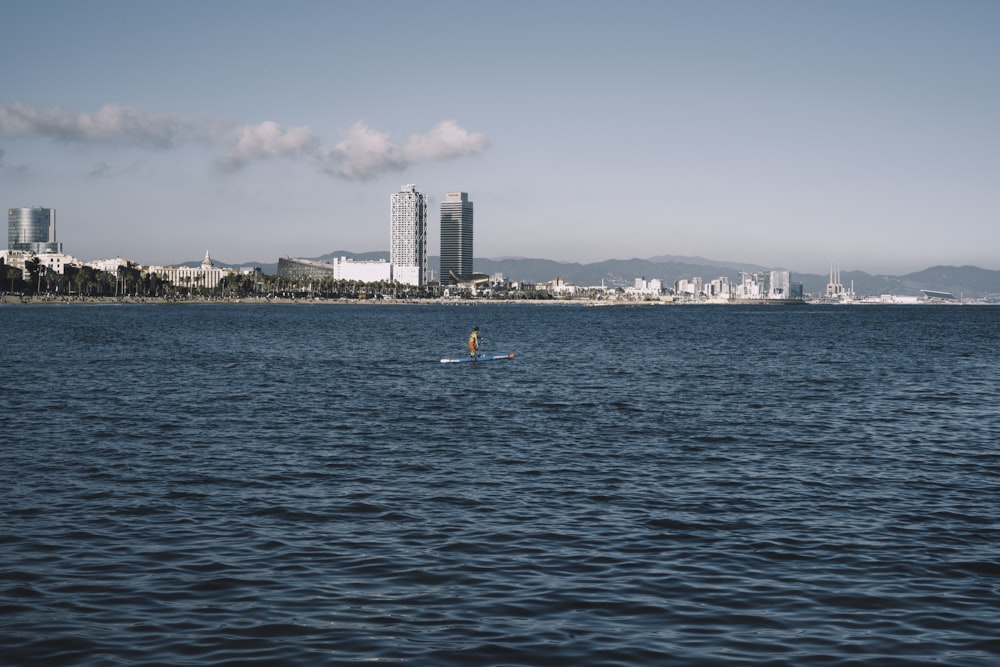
(266, 485)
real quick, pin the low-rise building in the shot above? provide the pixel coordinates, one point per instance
(54, 262)
(341, 268)
(207, 275)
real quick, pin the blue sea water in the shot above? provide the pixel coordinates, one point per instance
(308, 485)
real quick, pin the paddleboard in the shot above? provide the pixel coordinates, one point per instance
(479, 357)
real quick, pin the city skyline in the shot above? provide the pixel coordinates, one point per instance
(780, 133)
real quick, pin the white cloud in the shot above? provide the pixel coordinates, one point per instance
(365, 152)
(445, 140)
(267, 140)
(362, 154)
(111, 123)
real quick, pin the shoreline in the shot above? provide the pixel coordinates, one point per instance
(17, 300)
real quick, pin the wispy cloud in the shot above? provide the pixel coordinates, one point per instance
(11, 169)
(362, 153)
(111, 124)
(100, 170)
(104, 170)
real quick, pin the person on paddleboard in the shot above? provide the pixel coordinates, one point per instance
(474, 342)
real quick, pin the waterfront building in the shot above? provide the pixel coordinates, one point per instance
(54, 262)
(32, 230)
(408, 236)
(365, 271)
(207, 275)
(780, 285)
(560, 287)
(456, 238)
(933, 296)
(340, 268)
(719, 289)
(645, 288)
(294, 268)
(772, 285)
(752, 286)
(110, 265)
(685, 287)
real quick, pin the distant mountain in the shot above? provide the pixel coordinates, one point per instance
(701, 261)
(963, 281)
(970, 281)
(359, 256)
(967, 281)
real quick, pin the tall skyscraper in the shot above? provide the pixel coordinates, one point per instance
(32, 230)
(456, 237)
(408, 236)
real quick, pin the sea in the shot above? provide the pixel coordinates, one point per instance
(307, 484)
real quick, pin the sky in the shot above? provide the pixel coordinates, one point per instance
(788, 134)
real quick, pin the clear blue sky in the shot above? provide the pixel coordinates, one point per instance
(788, 134)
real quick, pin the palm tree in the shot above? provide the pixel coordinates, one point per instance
(13, 274)
(34, 268)
(154, 284)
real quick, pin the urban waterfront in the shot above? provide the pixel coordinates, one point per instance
(708, 485)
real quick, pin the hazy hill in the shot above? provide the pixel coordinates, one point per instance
(968, 281)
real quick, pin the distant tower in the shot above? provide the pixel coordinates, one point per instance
(32, 230)
(408, 236)
(834, 290)
(456, 237)
(780, 285)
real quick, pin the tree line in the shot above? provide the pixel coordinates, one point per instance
(130, 281)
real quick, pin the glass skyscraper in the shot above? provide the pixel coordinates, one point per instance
(456, 238)
(408, 236)
(32, 230)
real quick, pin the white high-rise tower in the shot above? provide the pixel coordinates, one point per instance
(408, 236)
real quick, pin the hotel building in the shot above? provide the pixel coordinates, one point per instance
(408, 236)
(32, 230)
(456, 238)
(31, 234)
(208, 275)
